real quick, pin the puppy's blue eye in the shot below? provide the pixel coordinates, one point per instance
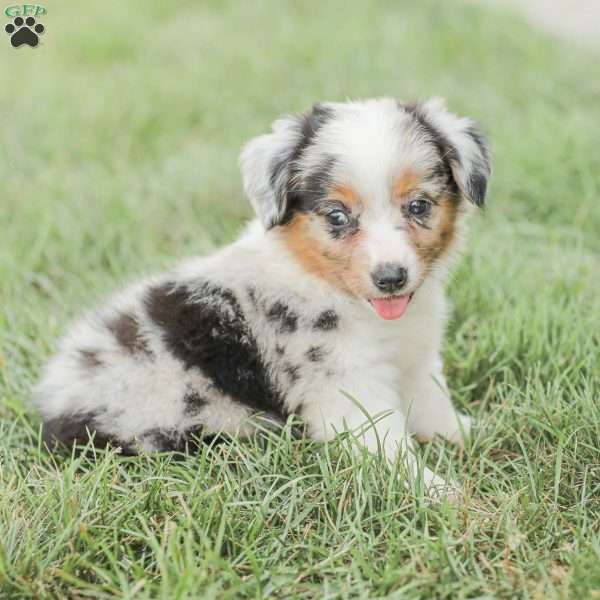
(337, 218)
(419, 207)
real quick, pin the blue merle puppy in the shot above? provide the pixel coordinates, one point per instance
(330, 306)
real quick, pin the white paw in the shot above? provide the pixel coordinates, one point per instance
(466, 423)
(434, 487)
(460, 434)
(438, 488)
(456, 430)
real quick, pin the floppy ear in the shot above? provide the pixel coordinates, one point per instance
(464, 146)
(268, 162)
(265, 169)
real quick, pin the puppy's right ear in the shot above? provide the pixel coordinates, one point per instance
(270, 162)
(265, 163)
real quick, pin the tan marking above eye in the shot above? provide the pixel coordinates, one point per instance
(406, 183)
(346, 194)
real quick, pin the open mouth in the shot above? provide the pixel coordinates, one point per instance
(391, 307)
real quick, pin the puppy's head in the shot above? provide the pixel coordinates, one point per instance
(368, 195)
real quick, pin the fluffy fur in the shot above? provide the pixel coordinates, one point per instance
(361, 206)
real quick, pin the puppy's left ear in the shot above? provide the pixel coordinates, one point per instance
(464, 146)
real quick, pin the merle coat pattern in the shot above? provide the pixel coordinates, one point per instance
(295, 317)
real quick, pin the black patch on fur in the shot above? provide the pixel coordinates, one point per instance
(480, 140)
(481, 169)
(78, 429)
(477, 188)
(315, 354)
(311, 122)
(292, 371)
(279, 182)
(206, 329)
(439, 171)
(308, 194)
(126, 329)
(90, 359)
(280, 350)
(174, 440)
(64, 432)
(193, 402)
(327, 321)
(314, 187)
(284, 316)
(446, 150)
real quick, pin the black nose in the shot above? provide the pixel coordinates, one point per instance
(390, 277)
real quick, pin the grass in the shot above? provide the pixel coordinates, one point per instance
(118, 155)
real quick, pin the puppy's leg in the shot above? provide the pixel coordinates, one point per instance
(378, 426)
(428, 407)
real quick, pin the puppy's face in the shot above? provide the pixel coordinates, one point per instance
(368, 195)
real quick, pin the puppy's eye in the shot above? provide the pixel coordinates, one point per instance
(337, 218)
(419, 208)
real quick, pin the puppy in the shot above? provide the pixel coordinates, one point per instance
(330, 307)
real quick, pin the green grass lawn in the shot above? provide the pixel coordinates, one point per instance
(118, 155)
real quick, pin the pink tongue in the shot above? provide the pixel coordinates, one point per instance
(391, 308)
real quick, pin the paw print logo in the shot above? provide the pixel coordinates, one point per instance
(24, 32)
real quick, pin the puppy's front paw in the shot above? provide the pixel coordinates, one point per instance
(438, 488)
(462, 431)
(455, 429)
